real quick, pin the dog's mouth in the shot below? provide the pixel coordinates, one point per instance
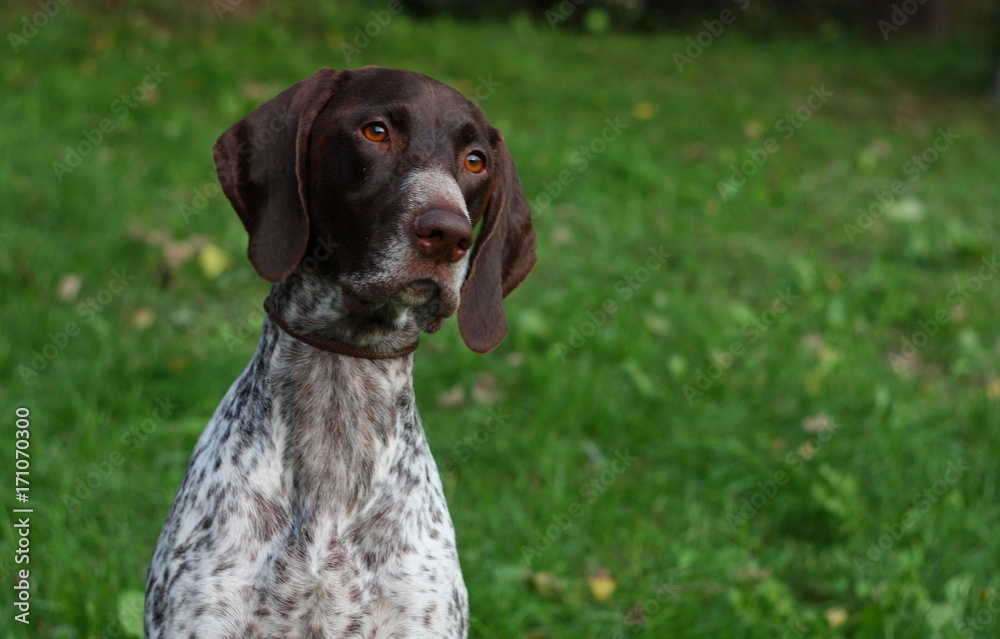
(417, 293)
(426, 295)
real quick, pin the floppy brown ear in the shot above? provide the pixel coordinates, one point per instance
(502, 257)
(261, 165)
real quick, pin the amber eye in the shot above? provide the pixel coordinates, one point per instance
(475, 162)
(376, 132)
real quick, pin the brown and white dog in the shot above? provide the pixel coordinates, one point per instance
(311, 506)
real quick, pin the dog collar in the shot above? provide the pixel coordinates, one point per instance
(332, 345)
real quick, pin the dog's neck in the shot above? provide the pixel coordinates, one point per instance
(340, 423)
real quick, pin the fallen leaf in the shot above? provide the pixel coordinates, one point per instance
(993, 388)
(694, 151)
(644, 110)
(212, 260)
(602, 585)
(562, 234)
(143, 318)
(657, 325)
(452, 398)
(257, 91)
(178, 363)
(807, 450)
(835, 616)
(905, 364)
(153, 237)
(69, 287)
(636, 616)
(176, 253)
(906, 209)
(487, 389)
(547, 585)
(753, 129)
(817, 424)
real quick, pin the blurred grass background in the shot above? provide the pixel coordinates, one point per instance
(706, 421)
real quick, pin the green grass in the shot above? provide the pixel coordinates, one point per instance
(735, 513)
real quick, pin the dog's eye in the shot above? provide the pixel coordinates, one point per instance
(376, 132)
(475, 163)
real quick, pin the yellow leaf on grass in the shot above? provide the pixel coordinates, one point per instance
(143, 317)
(212, 260)
(602, 585)
(993, 388)
(69, 287)
(547, 585)
(644, 110)
(835, 616)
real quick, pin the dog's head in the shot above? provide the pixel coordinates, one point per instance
(387, 172)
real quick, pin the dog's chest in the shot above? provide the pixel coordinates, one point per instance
(306, 514)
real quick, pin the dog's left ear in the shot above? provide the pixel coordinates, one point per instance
(502, 257)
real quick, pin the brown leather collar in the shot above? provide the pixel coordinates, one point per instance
(331, 345)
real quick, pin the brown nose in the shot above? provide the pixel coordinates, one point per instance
(443, 236)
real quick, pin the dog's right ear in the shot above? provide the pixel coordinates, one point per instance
(502, 257)
(262, 168)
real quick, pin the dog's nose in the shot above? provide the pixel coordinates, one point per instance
(443, 236)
